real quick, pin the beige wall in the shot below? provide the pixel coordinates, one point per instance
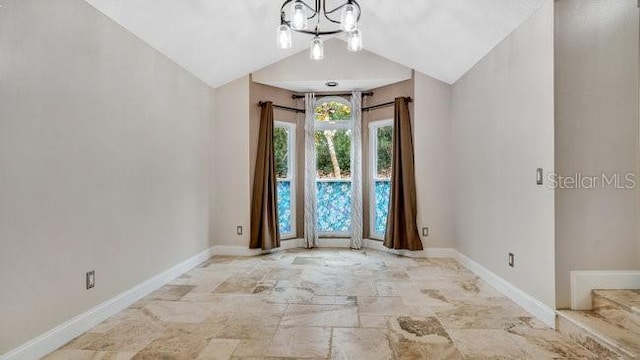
(431, 127)
(231, 207)
(380, 95)
(386, 94)
(502, 131)
(597, 115)
(104, 158)
(433, 159)
(236, 127)
(259, 92)
(233, 189)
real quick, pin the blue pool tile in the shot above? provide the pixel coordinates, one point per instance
(284, 206)
(383, 192)
(334, 206)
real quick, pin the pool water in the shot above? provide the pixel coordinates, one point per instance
(334, 206)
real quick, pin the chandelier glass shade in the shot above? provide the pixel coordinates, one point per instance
(354, 40)
(299, 16)
(284, 37)
(316, 51)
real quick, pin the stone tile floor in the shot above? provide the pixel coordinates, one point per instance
(324, 303)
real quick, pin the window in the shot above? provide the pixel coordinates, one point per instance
(381, 151)
(284, 153)
(333, 166)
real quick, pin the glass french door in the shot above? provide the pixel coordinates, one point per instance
(333, 141)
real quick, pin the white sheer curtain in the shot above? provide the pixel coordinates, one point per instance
(310, 207)
(356, 171)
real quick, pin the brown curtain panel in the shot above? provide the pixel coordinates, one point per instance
(265, 233)
(402, 229)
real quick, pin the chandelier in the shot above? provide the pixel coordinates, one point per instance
(298, 16)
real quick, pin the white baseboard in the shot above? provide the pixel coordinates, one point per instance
(291, 244)
(235, 250)
(583, 282)
(67, 331)
(238, 250)
(334, 243)
(60, 335)
(232, 250)
(426, 253)
(541, 311)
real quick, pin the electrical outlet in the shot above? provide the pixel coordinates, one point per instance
(239, 230)
(511, 260)
(91, 279)
(425, 231)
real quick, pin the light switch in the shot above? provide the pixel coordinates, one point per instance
(539, 176)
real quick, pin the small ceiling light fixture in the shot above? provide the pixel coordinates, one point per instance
(331, 83)
(300, 13)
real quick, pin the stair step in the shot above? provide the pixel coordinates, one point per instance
(618, 307)
(607, 340)
(627, 300)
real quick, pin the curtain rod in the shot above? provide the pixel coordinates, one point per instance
(379, 106)
(367, 108)
(369, 93)
(281, 107)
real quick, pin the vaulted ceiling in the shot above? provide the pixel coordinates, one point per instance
(219, 41)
